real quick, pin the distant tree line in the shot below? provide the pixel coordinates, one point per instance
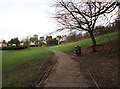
(99, 30)
(16, 44)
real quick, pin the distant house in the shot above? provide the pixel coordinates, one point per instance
(48, 37)
(9, 44)
(14, 45)
(21, 44)
(63, 39)
(41, 38)
(58, 38)
(44, 43)
(32, 44)
(34, 41)
(4, 45)
(0, 44)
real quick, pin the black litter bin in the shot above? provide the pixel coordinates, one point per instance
(77, 50)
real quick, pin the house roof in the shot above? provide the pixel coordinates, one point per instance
(44, 42)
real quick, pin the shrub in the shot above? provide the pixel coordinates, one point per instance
(13, 48)
(52, 42)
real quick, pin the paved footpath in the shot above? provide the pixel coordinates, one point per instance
(67, 73)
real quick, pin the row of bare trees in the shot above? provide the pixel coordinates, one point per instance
(82, 16)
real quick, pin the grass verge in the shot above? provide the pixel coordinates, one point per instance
(103, 65)
(86, 42)
(22, 68)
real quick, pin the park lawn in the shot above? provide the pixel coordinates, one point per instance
(16, 57)
(86, 42)
(23, 67)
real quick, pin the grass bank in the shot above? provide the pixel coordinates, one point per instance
(21, 68)
(102, 65)
(86, 42)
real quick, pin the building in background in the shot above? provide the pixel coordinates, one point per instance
(0, 44)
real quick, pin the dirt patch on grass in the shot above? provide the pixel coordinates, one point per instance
(28, 74)
(103, 65)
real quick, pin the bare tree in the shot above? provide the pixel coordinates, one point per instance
(77, 15)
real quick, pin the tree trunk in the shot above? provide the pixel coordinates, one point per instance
(93, 41)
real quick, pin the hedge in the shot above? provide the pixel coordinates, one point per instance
(13, 48)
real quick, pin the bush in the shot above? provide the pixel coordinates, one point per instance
(13, 48)
(52, 42)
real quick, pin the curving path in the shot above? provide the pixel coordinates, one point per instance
(67, 73)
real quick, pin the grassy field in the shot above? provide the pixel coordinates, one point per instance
(86, 42)
(21, 67)
(16, 57)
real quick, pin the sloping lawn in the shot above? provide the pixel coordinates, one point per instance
(12, 58)
(23, 67)
(102, 65)
(86, 42)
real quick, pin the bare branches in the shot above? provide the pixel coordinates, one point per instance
(76, 15)
(72, 15)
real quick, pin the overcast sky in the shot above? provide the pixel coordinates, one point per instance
(21, 18)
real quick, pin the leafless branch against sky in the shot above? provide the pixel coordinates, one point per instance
(21, 18)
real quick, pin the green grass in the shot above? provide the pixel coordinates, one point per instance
(21, 67)
(86, 42)
(13, 58)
